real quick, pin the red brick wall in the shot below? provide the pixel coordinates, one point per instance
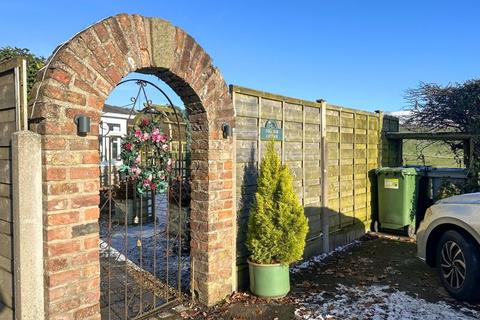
(78, 80)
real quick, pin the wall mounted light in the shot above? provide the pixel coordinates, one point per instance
(83, 125)
(227, 130)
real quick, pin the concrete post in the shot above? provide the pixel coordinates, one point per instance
(27, 225)
(234, 194)
(324, 174)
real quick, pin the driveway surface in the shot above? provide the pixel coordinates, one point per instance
(378, 277)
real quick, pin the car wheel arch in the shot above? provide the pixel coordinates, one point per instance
(435, 235)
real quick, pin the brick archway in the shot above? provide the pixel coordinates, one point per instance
(79, 78)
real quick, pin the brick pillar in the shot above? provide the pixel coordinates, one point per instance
(71, 198)
(212, 217)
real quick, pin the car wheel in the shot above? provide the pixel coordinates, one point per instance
(458, 266)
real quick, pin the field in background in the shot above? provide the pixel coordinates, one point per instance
(437, 154)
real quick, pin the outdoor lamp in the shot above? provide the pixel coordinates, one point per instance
(83, 125)
(227, 130)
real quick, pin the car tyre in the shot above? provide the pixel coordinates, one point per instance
(458, 266)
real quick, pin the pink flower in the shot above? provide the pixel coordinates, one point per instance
(153, 186)
(165, 147)
(138, 159)
(146, 182)
(163, 138)
(156, 135)
(136, 171)
(128, 146)
(145, 136)
(138, 134)
(169, 165)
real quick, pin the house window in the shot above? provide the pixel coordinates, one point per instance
(114, 127)
(116, 150)
(110, 148)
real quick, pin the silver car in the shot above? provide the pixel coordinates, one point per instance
(449, 239)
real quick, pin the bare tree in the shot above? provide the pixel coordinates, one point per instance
(454, 107)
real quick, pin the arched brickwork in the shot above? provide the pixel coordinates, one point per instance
(79, 78)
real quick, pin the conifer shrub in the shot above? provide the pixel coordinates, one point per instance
(277, 226)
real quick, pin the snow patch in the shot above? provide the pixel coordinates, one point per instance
(146, 246)
(375, 302)
(320, 258)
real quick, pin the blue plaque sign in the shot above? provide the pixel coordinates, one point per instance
(271, 131)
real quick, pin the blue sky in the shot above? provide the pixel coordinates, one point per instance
(360, 54)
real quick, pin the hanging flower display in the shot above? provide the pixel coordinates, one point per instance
(146, 157)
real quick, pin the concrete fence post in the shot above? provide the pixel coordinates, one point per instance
(27, 225)
(325, 214)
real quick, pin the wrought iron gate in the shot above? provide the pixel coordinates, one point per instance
(143, 215)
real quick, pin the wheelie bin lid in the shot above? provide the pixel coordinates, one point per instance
(399, 170)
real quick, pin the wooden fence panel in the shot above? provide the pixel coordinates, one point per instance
(7, 127)
(353, 149)
(12, 119)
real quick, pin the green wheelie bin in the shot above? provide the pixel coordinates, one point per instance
(398, 193)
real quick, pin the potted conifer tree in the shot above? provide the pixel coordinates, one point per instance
(277, 228)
